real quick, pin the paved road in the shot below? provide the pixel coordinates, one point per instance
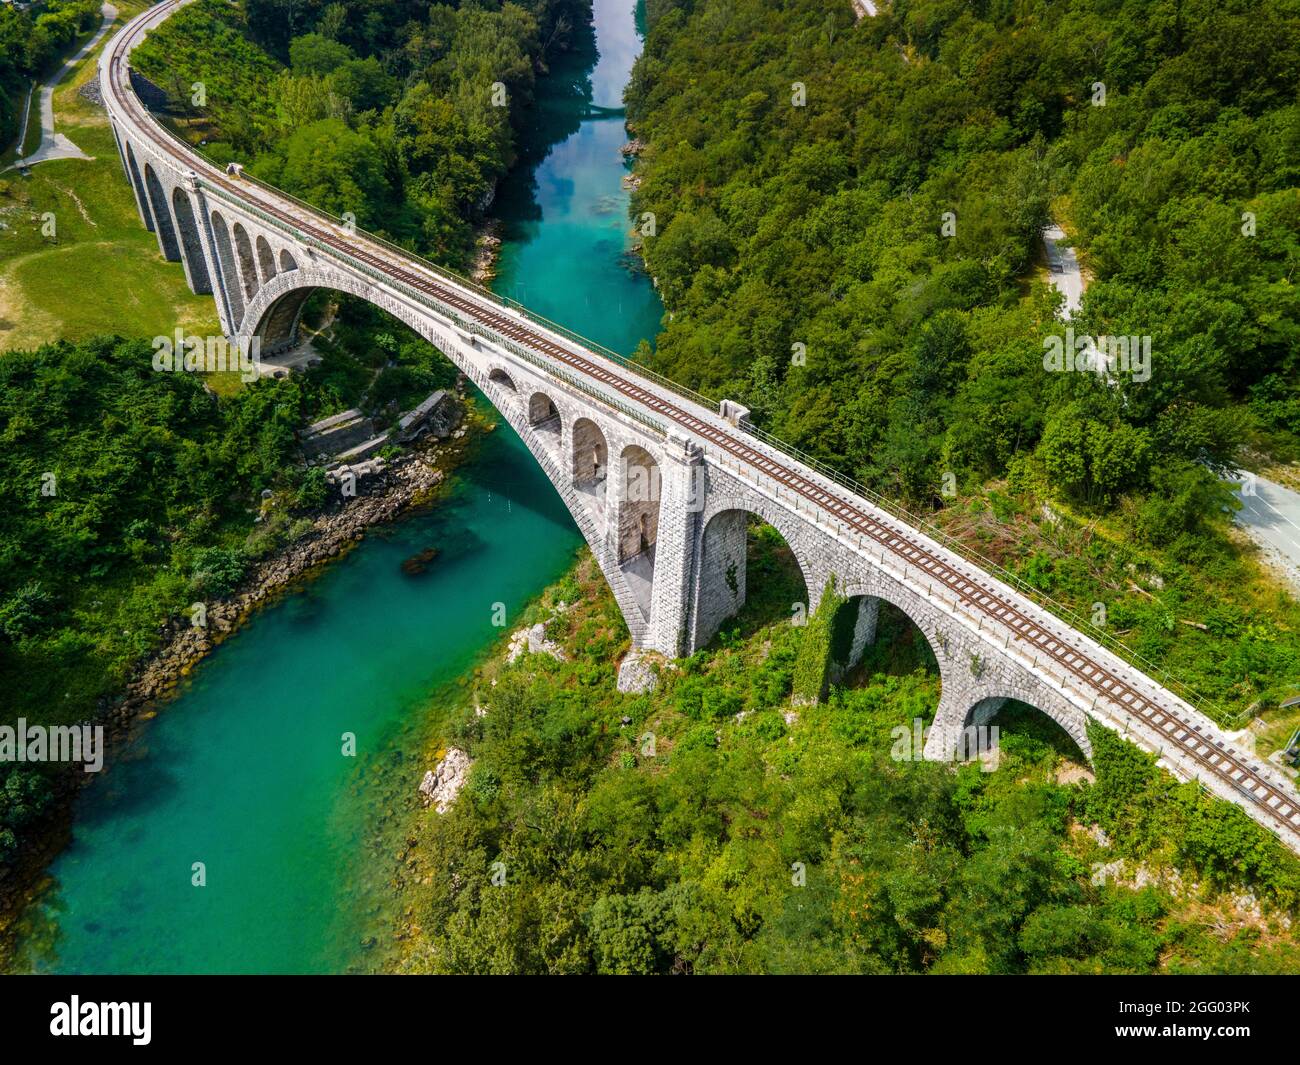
(1272, 518)
(1064, 266)
(55, 145)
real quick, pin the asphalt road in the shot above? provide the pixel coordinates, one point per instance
(1064, 267)
(1272, 518)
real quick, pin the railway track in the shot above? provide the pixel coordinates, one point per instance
(984, 596)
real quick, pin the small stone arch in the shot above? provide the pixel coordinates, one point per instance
(137, 183)
(544, 417)
(196, 264)
(162, 214)
(498, 376)
(590, 453)
(637, 525)
(723, 555)
(229, 273)
(590, 466)
(247, 268)
(265, 259)
(287, 261)
(640, 488)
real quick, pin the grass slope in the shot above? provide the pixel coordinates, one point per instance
(101, 272)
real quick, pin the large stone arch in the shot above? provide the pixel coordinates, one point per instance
(229, 274)
(265, 259)
(281, 301)
(974, 680)
(933, 624)
(247, 267)
(983, 703)
(722, 587)
(187, 226)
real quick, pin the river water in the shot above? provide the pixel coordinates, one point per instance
(244, 771)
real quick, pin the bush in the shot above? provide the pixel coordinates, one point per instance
(218, 570)
(23, 612)
(24, 795)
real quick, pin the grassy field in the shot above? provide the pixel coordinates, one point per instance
(101, 271)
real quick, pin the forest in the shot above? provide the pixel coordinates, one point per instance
(848, 226)
(712, 827)
(888, 225)
(404, 114)
(30, 40)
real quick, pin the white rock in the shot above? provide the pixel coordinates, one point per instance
(442, 784)
(534, 641)
(636, 674)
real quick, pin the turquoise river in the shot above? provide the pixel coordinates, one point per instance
(244, 771)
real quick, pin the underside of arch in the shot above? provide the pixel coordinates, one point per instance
(278, 327)
(229, 274)
(137, 182)
(162, 214)
(196, 264)
(984, 710)
(265, 259)
(723, 555)
(247, 268)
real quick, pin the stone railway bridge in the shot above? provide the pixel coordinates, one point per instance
(661, 485)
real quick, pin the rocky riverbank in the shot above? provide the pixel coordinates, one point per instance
(380, 499)
(405, 481)
(487, 249)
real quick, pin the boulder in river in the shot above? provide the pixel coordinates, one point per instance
(419, 562)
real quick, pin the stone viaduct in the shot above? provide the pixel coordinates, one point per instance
(661, 485)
